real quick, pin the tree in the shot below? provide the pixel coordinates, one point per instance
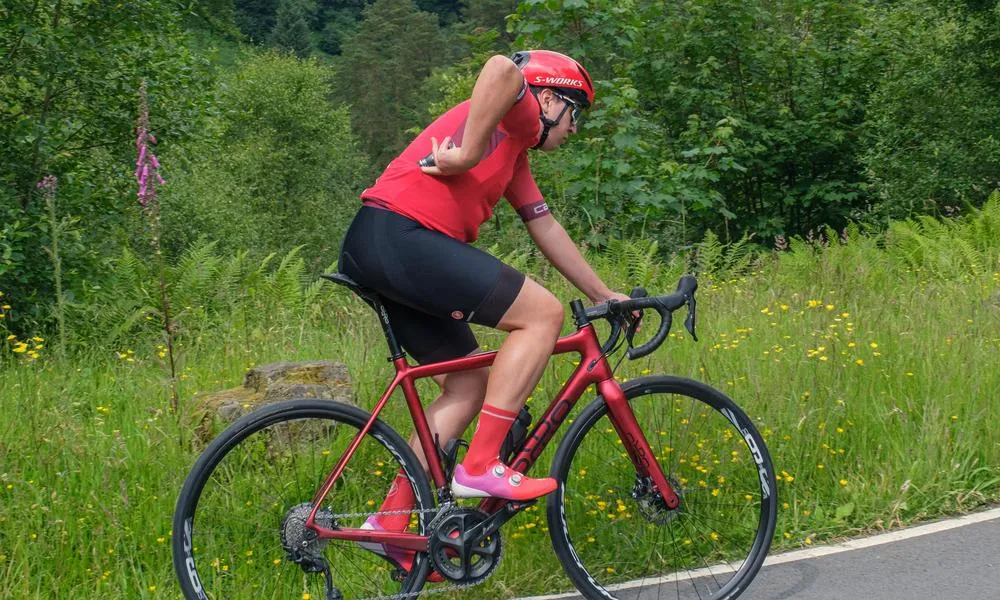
(256, 18)
(491, 14)
(746, 115)
(381, 69)
(282, 167)
(339, 25)
(291, 31)
(931, 125)
(70, 77)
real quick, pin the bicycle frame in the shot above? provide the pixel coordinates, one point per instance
(593, 369)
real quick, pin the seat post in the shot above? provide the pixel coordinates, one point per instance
(395, 350)
(374, 300)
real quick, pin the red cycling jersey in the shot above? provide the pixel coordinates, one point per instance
(456, 205)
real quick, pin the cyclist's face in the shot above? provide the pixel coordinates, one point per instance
(556, 106)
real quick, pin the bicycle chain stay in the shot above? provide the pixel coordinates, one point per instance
(405, 595)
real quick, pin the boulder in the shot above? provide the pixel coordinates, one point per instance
(266, 384)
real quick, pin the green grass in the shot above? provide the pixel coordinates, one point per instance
(872, 376)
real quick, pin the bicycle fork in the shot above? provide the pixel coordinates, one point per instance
(624, 421)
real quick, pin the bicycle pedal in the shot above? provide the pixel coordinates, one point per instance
(514, 506)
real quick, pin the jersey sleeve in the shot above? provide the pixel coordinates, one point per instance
(523, 194)
(521, 121)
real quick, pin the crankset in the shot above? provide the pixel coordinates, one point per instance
(461, 549)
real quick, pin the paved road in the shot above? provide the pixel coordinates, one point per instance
(957, 559)
(956, 564)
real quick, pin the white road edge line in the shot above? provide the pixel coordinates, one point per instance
(806, 553)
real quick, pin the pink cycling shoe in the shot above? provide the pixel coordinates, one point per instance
(398, 557)
(500, 481)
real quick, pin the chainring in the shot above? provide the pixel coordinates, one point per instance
(457, 556)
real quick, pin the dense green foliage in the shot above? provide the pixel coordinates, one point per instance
(279, 167)
(69, 80)
(756, 121)
(394, 49)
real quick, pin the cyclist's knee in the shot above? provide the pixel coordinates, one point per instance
(535, 307)
(551, 312)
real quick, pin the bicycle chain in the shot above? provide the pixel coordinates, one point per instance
(405, 595)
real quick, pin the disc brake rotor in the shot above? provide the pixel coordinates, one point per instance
(651, 504)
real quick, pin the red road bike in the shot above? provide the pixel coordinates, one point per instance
(663, 481)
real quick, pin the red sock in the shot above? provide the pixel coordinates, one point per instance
(484, 449)
(400, 497)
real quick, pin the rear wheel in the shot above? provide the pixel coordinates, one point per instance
(609, 526)
(245, 502)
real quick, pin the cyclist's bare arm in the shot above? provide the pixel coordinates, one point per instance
(497, 88)
(562, 252)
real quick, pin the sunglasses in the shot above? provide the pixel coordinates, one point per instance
(577, 110)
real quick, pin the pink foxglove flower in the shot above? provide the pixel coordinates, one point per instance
(146, 165)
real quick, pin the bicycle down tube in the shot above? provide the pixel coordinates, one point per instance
(593, 369)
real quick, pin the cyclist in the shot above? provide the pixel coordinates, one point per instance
(410, 242)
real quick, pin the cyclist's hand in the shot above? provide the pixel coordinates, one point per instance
(636, 314)
(448, 158)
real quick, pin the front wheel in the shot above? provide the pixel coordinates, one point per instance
(239, 524)
(610, 528)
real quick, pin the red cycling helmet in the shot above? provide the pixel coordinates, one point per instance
(545, 68)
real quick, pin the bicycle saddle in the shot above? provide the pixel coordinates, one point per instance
(360, 290)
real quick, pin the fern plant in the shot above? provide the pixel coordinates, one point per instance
(948, 248)
(723, 261)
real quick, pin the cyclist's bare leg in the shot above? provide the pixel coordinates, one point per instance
(451, 413)
(534, 321)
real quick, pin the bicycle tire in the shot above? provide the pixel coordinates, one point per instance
(643, 542)
(230, 515)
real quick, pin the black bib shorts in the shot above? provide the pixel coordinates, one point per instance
(433, 285)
